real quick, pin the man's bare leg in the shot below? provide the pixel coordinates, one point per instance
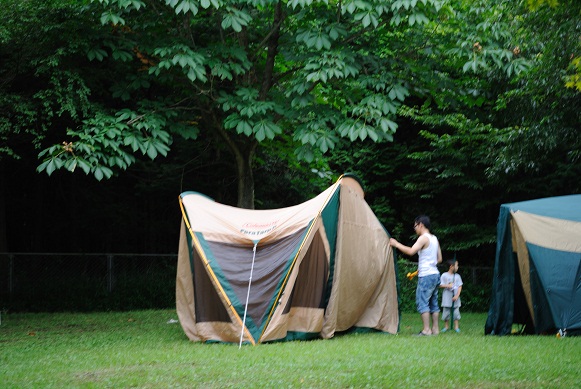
(435, 323)
(426, 323)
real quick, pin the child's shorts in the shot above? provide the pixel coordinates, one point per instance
(446, 313)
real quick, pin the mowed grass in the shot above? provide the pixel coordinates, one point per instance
(141, 349)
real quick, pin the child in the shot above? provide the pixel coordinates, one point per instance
(451, 282)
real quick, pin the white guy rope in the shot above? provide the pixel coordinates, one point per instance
(247, 295)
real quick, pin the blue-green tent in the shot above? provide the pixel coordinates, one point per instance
(537, 271)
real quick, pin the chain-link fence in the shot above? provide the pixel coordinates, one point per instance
(86, 282)
(476, 290)
(93, 282)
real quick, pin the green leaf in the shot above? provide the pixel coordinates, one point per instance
(363, 133)
(197, 73)
(161, 147)
(122, 55)
(84, 165)
(186, 6)
(305, 153)
(102, 172)
(232, 121)
(260, 133)
(54, 164)
(271, 130)
(244, 127)
(98, 173)
(98, 54)
(151, 150)
(70, 164)
(467, 66)
(43, 166)
(111, 18)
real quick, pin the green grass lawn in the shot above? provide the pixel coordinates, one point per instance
(140, 349)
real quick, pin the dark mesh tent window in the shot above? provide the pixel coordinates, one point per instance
(271, 263)
(209, 307)
(309, 288)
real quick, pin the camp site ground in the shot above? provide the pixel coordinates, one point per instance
(146, 349)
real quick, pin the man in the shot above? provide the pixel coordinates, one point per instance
(429, 256)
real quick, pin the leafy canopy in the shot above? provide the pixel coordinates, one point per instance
(249, 71)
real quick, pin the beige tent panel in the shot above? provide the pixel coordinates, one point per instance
(186, 308)
(282, 322)
(299, 319)
(379, 313)
(224, 223)
(185, 289)
(522, 253)
(353, 185)
(219, 331)
(364, 270)
(557, 234)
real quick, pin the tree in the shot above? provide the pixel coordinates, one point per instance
(302, 71)
(40, 82)
(542, 112)
(41, 87)
(450, 132)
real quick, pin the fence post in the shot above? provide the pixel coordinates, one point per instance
(110, 278)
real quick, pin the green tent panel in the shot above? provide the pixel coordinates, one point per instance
(308, 271)
(537, 272)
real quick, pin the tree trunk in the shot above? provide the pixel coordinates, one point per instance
(272, 50)
(244, 149)
(244, 160)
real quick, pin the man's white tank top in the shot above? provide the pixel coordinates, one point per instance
(428, 257)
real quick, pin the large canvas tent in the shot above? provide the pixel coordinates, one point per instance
(537, 273)
(308, 271)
